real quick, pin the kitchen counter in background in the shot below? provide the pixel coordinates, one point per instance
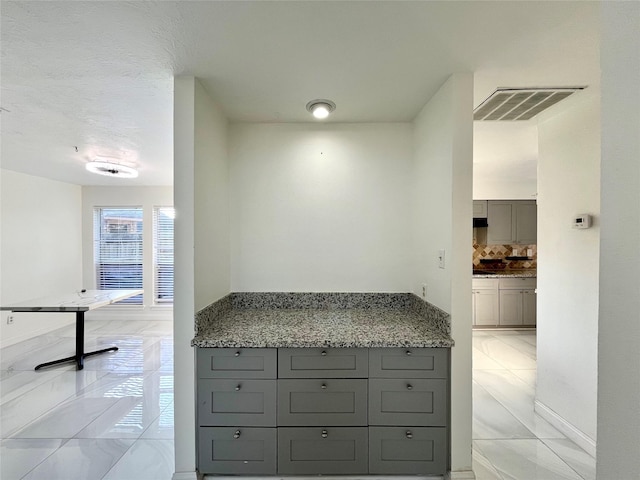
(505, 273)
(342, 320)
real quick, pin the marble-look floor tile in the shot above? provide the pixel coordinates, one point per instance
(525, 460)
(518, 398)
(20, 456)
(81, 459)
(506, 355)
(481, 361)
(492, 421)
(67, 419)
(521, 344)
(574, 456)
(162, 427)
(15, 414)
(483, 469)
(145, 460)
(16, 382)
(530, 377)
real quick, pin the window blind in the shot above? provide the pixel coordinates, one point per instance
(118, 250)
(163, 254)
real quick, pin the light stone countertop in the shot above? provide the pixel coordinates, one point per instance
(401, 322)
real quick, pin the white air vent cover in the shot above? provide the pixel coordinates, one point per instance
(520, 103)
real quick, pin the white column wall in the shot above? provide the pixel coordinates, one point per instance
(619, 322)
(40, 249)
(442, 184)
(567, 325)
(201, 244)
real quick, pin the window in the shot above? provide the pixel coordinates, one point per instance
(117, 234)
(163, 254)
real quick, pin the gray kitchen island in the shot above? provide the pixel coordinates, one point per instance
(322, 383)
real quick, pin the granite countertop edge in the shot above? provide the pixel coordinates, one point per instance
(255, 320)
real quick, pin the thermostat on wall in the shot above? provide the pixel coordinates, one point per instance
(582, 221)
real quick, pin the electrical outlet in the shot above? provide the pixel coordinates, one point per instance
(529, 252)
(441, 258)
(424, 291)
(9, 319)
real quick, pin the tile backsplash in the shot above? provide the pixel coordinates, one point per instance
(481, 251)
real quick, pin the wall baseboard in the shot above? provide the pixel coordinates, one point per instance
(185, 476)
(573, 433)
(460, 475)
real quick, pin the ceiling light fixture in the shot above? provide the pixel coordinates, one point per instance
(321, 108)
(111, 169)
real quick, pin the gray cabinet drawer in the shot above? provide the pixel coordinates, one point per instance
(325, 450)
(237, 402)
(237, 450)
(322, 363)
(408, 362)
(322, 402)
(408, 402)
(407, 450)
(237, 362)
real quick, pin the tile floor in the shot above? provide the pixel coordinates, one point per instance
(510, 442)
(114, 419)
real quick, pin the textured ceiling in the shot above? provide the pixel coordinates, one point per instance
(99, 75)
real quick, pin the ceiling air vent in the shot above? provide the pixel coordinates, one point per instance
(520, 103)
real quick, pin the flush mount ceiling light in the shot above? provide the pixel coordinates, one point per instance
(111, 169)
(321, 108)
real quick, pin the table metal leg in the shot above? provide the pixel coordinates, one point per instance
(80, 354)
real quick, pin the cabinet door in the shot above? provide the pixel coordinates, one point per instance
(409, 401)
(529, 307)
(407, 450)
(510, 307)
(526, 216)
(501, 219)
(485, 307)
(323, 450)
(237, 451)
(322, 402)
(479, 209)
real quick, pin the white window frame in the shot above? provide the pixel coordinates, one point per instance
(99, 246)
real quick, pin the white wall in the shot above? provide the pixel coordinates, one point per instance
(619, 326)
(147, 198)
(567, 325)
(40, 249)
(211, 196)
(200, 233)
(505, 158)
(320, 207)
(441, 208)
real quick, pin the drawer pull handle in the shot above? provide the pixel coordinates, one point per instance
(409, 386)
(325, 434)
(409, 434)
(238, 387)
(323, 386)
(238, 353)
(323, 353)
(237, 434)
(408, 352)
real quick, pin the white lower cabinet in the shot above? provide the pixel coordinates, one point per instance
(504, 302)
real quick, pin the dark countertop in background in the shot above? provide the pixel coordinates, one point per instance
(506, 274)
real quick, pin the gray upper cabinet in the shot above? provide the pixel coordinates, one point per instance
(512, 222)
(479, 209)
